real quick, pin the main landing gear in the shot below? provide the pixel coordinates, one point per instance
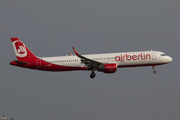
(92, 75)
(154, 71)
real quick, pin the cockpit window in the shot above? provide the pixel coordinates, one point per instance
(163, 55)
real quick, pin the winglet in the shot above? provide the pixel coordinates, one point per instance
(70, 54)
(75, 51)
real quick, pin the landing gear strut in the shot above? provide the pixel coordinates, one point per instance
(92, 75)
(154, 71)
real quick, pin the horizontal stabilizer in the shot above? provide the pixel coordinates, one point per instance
(20, 62)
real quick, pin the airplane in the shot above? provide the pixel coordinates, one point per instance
(106, 63)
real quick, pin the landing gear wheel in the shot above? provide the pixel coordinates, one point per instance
(92, 75)
(154, 71)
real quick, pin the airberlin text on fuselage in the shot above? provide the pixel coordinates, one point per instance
(141, 56)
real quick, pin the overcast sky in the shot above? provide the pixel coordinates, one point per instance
(52, 28)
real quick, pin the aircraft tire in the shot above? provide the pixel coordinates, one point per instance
(92, 75)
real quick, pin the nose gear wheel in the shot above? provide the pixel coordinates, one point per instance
(154, 71)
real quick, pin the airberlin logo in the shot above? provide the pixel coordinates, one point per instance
(19, 49)
(141, 56)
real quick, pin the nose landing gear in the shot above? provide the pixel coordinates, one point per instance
(154, 71)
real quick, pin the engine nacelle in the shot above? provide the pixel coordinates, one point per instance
(108, 68)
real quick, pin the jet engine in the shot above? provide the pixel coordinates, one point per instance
(108, 68)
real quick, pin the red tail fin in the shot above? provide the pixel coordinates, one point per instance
(21, 51)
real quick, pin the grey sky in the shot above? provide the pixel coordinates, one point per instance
(52, 28)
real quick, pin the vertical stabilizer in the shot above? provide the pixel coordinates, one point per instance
(21, 51)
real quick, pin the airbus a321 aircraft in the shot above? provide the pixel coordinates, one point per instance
(107, 63)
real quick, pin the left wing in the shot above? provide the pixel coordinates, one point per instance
(88, 62)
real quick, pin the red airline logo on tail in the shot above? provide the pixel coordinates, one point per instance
(19, 48)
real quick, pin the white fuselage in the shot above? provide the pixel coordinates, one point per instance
(125, 59)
